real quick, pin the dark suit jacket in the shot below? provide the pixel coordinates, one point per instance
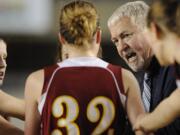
(163, 84)
(177, 68)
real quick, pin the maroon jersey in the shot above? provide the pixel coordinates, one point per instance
(82, 96)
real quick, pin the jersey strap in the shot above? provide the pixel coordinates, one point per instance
(48, 71)
(118, 75)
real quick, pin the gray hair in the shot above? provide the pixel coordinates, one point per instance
(137, 11)
(2, 41)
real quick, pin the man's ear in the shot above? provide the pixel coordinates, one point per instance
(98, 36)
(61, 39)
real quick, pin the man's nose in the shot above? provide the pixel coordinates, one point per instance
(120, 44)
(124, 45)
(2, 63)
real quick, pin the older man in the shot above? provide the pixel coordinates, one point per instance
(127, 26)
(9, 105)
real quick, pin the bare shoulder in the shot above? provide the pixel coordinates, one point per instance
(39, 74)
(127, 74)
(129, 80)
(34, 84)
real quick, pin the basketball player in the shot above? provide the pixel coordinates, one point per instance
(164, 26)
(82, 94)
(9, 105)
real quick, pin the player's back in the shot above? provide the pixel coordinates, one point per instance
(83, 97)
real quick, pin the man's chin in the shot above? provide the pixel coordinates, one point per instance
(135, 68)
(136, 65)
(1, 82)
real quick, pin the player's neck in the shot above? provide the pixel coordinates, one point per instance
(81, 54)
(83, 51)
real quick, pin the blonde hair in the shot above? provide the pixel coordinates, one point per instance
(78, 22)
(137, 11)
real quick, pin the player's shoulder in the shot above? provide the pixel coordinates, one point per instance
(34, 84)
(35, 75)
(127, 73)
(127, 76)
(39, 74)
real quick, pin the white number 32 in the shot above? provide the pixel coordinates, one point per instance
(93, 114)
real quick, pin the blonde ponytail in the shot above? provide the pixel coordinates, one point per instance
(78, 22)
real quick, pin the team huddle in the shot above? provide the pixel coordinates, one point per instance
(85, 95)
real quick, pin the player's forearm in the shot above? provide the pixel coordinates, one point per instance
(14, 108)
(11, 106)
(134, 109)
(160, 117)
(19, 111)
(7, 128)
(12, 131)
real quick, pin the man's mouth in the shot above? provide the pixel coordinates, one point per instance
(1, 74)
(131, 56)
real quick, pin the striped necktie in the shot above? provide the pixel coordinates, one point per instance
(146, 95)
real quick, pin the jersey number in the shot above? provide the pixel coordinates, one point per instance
(93, 114)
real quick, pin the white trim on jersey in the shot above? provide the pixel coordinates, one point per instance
(42, 102)
(80, 62)
(43, 97)
(178, 83)
(83, 61)
(122, 97)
